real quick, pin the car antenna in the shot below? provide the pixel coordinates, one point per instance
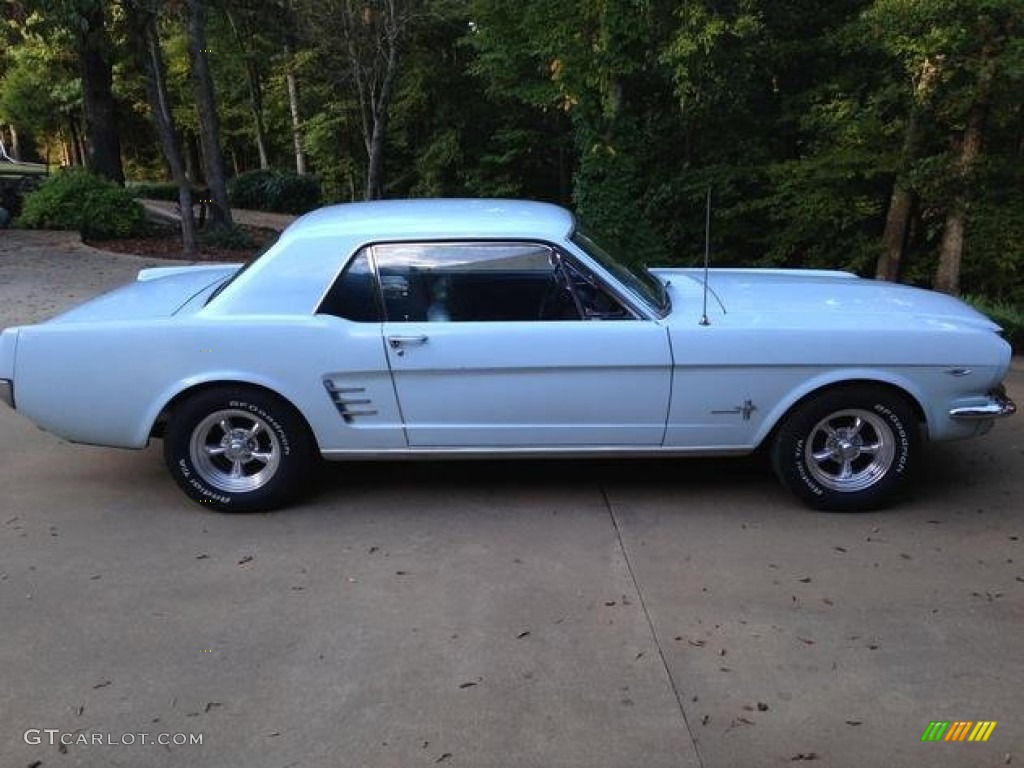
(707, 256)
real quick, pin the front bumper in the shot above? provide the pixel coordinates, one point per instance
(7, 392)
(997, 406)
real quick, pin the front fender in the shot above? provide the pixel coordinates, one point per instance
(839, 377)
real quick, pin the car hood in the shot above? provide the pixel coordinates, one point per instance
(784, 295)
(157, 292)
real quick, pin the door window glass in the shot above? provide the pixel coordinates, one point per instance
(478, 282)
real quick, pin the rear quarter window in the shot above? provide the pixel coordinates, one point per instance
(353, 296)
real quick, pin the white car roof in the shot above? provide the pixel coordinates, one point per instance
(447, 218)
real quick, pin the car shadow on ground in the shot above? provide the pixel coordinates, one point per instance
(946, 469)
(706, 476)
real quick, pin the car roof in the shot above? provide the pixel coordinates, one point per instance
(441, 218)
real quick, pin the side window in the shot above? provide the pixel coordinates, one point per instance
(353, 295)
(473, 282)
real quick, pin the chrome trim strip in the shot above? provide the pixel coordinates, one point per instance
(999, 406)
(7, 392)
(560, 452)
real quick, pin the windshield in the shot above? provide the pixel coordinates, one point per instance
(638, 280)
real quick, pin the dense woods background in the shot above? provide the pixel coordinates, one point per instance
(883, 136)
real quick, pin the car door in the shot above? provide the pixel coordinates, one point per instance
(490, 346)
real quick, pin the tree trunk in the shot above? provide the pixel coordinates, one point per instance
(149, 56)
(15, 144)
(951, 251)
(193, 165)
(375, 161)
(293, 87)
(103, 154)
(252, 81)
(894, 238)
(256, 104)
(380, 109)
(947, 276)
(904, 198)
(372, 38)
(77, 150)
(293, 105)
(206, 105)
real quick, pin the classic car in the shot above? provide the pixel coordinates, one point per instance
(467, 329)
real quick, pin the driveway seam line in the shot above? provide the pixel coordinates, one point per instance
(650, 624)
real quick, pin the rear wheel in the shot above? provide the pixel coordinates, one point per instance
(238, 449)
(848, 450)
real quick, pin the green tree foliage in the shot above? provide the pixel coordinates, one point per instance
(882, 136)
(40, 93)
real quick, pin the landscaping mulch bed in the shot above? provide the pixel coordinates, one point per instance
(166, 244)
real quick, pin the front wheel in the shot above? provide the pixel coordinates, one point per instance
(848, 450)
(238, 449)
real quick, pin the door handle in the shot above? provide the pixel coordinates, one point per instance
(397, 342)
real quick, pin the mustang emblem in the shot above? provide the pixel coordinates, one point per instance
(746, 409)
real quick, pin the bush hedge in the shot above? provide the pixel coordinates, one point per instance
(232, 238)
(154, 190)
(276, 191)
(80, 200)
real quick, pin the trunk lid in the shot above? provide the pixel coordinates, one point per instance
(158, 292)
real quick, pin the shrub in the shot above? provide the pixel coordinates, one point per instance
(232, 238)
(155, 190)
(78, 199)
(266, 190)
(1007, 315)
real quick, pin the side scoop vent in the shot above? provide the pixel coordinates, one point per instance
(351, 402)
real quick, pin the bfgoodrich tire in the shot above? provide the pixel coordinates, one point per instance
(239, 449)
(848, 450)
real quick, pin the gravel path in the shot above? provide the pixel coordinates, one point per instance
(42, 273)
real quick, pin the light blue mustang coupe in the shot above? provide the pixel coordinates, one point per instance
(485, 328)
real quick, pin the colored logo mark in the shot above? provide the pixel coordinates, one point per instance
(958, 730)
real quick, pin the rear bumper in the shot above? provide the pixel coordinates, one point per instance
(7, 392)
(997, 406)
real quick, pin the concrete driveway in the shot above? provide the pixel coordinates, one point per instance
(586, 614)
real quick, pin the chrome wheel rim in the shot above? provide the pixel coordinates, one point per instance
(235, 451)
(850, 450)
